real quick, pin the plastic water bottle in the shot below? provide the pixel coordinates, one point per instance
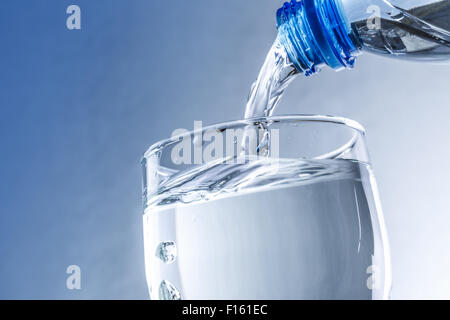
(315, 33)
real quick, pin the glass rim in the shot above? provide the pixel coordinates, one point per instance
(352, 124)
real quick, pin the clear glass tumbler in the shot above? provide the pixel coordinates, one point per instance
(283, 207)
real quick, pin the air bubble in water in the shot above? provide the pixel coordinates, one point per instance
(167, 251)
(167, 291)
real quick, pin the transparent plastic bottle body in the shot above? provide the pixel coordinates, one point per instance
(334, 32)
(410, 29)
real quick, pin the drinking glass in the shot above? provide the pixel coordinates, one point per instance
(282, 207)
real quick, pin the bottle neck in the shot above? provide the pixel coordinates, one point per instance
(314, 33)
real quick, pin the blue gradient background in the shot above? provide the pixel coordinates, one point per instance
(78, 108)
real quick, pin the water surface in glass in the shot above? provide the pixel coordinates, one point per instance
(302, 223)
